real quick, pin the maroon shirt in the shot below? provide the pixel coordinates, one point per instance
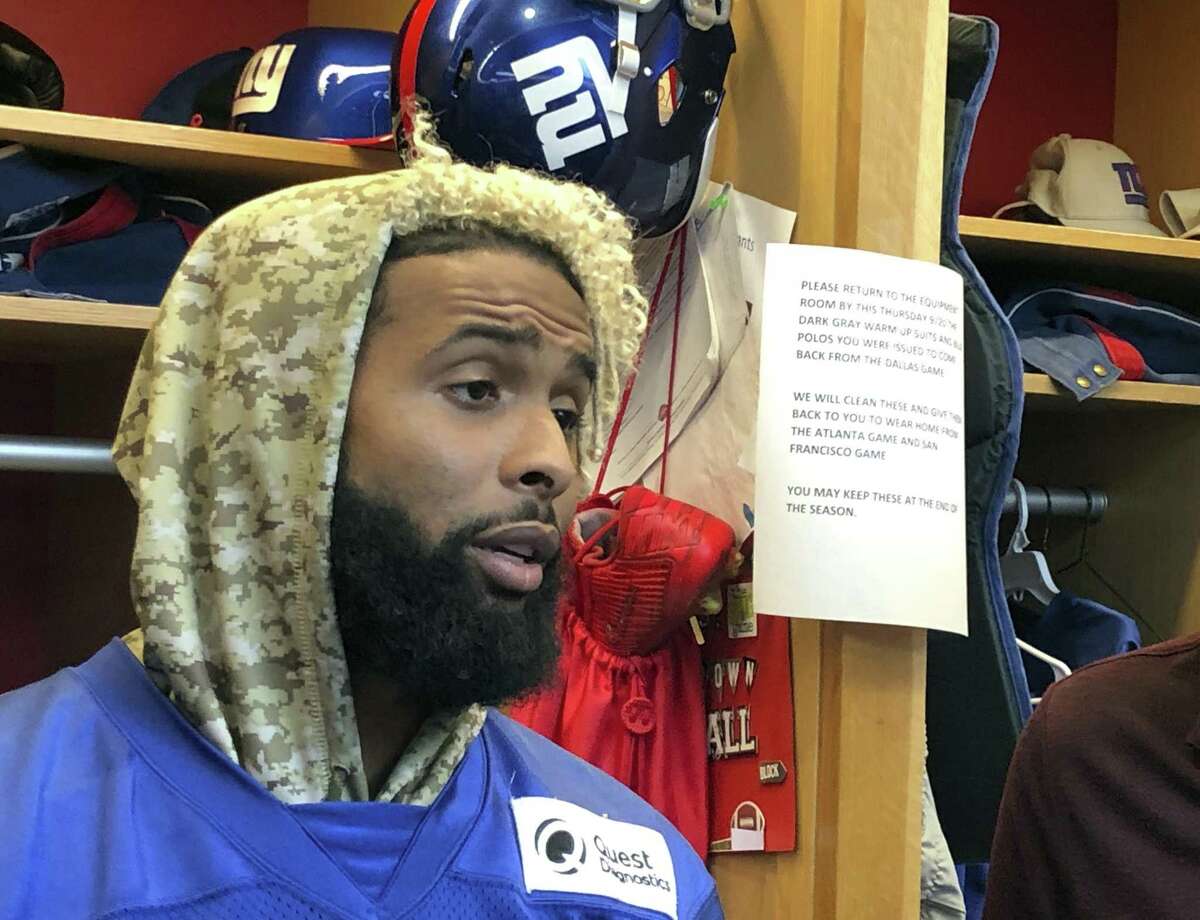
(1101, 811)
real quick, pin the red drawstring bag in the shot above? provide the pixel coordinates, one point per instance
(629, 692)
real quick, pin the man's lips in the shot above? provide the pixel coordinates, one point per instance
(515, 556)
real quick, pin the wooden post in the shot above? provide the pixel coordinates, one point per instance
(836, 109)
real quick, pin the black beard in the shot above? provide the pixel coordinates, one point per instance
(421, 615)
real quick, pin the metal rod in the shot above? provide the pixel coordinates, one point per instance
(1061, 502)
(56, 455)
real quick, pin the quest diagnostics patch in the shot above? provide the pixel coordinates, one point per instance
(565, 848)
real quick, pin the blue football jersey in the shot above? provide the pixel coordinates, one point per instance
(114, 806)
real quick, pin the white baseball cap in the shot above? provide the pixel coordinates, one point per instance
(1181, 212)
(1083, 183)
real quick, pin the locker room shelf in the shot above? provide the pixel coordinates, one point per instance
(1018, 236)
(253, 163)
(1157, 267)
(1043, 393)
(45, 330)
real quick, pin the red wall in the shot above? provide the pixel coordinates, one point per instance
(1056, 73)
(115, 55)
(26, 408)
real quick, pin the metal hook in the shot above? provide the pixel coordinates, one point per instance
(1019, 539)
(1083, 543)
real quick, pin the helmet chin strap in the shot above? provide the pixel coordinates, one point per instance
(629, 61)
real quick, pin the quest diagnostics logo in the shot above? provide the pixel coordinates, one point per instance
(560, 846)
(629, 867)
(568, 849)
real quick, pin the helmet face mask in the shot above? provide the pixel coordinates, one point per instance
(574, 88)
(701, 14)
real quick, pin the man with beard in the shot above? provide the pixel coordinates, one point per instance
(353, 436)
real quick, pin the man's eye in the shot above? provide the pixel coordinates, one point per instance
(568, 420)
(475, 392)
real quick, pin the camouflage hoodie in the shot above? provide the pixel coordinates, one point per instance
(229, 441)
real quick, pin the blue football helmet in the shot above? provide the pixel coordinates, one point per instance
(320, 84)
(622, 95)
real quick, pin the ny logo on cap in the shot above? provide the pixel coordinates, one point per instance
(1131, 183)
(262, 78)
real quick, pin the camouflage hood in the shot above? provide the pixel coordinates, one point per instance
(230, 440)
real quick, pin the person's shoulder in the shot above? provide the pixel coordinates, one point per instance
(1148, 692)
(50, 778)
(1144, 671)
(566, 776)
(34, 713)
(48, 729)
(536, 766)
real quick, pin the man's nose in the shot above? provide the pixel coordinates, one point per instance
(539, 463)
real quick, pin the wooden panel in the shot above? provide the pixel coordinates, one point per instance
(363, 14)
(1044, 395)
(842, 120)
(231, 165)
(760, 149)
(1156, 78)
(1146, 551)
(1012, 254)
(763, 145)
(53, 331)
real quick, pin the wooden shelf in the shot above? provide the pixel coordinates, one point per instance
(40, 329)
(1158, 267)
(1015, 235)
(1043, 393)
(253, 163)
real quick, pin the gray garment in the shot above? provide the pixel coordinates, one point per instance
(941, 898)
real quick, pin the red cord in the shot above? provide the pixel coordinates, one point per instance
(628, 391)
(662, 478)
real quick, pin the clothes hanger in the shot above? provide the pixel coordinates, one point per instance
(1024, 570)
(1058, 668)
(1027, 570)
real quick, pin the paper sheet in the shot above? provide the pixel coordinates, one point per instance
(759, 224)
(860, 475)
(725, 248)
(641, 439)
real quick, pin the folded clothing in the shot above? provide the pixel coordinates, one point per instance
(87, 230)
(1089, 338)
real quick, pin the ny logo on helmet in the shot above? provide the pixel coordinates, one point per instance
(571, 129)
(262, 78)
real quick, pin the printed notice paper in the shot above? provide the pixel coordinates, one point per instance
(859, 454)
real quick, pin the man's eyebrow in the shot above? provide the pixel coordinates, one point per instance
(527, 336)
(505, 335)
